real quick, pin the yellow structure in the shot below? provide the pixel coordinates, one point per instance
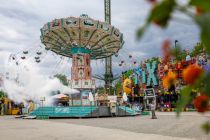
(127, 86)
(9, 108)
(31, 106)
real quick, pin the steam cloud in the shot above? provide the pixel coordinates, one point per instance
(24, 82)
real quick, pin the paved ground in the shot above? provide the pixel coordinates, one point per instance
(166, 127)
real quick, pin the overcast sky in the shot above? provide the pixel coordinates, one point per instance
(21, 20)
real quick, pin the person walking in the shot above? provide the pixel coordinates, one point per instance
(153, 107)
(21, 106)
(2, 107)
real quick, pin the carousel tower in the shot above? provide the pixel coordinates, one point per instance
(83, 39)
(81, 73)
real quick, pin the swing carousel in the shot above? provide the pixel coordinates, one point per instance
(83, 39)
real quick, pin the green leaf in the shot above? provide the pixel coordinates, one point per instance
(203, 4)
(204, 22)
(206, 127)
(161, 13)
(207, 84)
(184, 100)
(140, 32)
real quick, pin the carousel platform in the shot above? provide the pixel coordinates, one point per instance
(80, 112)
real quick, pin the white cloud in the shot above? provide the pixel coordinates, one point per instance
(21, 21)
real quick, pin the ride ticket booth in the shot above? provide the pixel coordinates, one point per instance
(149, 97)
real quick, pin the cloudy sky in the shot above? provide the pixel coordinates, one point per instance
(21, 20)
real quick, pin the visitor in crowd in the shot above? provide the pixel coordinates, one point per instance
(142, 107)
(1, 106)
(152, 108)
(21, 108)
(162, 106)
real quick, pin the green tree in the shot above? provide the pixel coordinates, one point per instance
(100, 90)
(197, 50)
(62, 78)
(2, 94)
(152, 59)
(118, 86)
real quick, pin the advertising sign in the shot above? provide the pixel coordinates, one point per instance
(149, 93)
(112, 99)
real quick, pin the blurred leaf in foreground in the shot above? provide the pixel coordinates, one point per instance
(206, 127)
(204, 23)
(204, 5)
(161, 13)
(184, 99)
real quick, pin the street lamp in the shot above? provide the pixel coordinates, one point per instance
(176, 48)
(176, 42)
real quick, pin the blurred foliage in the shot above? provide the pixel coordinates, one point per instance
(197, 50)
(178, 54)
(100, 90)
(202, 4)
(2, 94)
(152, 59)
(206, 127)
(204, 22)
(118, 86)
(160, 15)
(63, 79)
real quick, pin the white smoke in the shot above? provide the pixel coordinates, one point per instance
(24, 82)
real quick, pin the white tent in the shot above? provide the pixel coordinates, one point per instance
(58, 96)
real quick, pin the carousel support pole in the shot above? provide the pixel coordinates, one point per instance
(125, 108)
(72, 102)
(81, 99)
(91, 108)
(98, 111)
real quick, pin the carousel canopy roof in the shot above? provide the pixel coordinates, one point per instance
(67, 36)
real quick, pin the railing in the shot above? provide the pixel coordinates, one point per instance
(77, 111)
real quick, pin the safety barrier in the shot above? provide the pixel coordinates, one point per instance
(76, 111)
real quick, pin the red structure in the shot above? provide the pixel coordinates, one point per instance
(81, 73)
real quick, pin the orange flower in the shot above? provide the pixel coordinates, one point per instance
(201, 103)
(169, 80)
(191, 73)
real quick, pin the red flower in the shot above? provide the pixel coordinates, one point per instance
(166, 51)
(199, 11)
(157, 22)
(192, 73)
(201, 103)
(152, 1)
